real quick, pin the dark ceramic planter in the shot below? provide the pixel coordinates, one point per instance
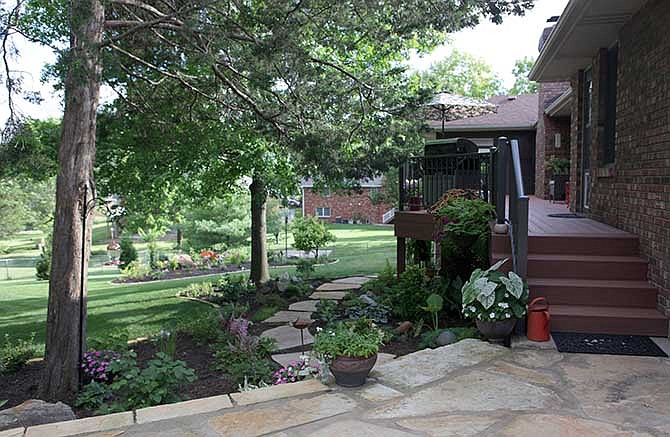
(497, 330)
(352, 371)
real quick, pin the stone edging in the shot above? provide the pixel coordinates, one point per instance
(168, 411)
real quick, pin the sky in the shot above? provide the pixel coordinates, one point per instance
(500, 45)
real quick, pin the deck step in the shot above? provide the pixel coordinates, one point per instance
(631, 268)
(561, 291)
(608, 320)
(597, 244)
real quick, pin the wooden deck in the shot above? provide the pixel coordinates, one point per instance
(539, 222)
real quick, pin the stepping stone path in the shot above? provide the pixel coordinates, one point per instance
(287, 337)
(288, 316)
(360, 280)
(284, 359)
(305, 305)
(331, 286)
(334, 295)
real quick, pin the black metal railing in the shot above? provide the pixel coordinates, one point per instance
(423, 180)
(508, 169)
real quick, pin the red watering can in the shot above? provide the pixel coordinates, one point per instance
(538, 319)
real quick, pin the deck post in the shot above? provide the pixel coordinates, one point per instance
(501, 177)
(401, 255)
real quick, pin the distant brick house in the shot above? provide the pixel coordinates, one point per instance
(605, 74)
(345, 207)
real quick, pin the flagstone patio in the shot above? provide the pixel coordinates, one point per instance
(470, 388)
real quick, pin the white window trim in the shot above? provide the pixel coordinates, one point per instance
(323, 209)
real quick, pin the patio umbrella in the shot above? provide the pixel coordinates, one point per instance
(454, 107)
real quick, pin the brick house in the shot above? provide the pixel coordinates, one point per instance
(604, 70)
(358, 206)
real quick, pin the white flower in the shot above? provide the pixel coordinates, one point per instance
(473, 309)
(507, 315)
(319, 329)
(503, 305)
(492, 315)
(506, 294)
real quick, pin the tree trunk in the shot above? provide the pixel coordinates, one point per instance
(259, 252)
(66, 316)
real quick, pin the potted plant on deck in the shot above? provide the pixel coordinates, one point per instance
(495, 301)
(560, 175)
(351, 348)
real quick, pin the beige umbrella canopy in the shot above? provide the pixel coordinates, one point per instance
(448, 107)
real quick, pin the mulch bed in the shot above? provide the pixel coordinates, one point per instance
(23, 385)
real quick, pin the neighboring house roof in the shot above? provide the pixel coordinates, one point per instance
(513, 113)
(449, 107)
(584, 27)
(375, 182)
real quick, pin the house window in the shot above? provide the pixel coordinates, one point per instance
(608, 148)
(323, 212)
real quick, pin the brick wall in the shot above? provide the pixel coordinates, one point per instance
(347, 206)
(547, 127)
(634, 193)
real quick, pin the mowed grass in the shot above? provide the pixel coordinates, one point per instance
(146, 308)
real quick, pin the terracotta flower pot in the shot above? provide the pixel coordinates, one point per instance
(352, 371)
(496, 330)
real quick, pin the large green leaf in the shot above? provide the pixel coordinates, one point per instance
(486, 300)
(514, 284)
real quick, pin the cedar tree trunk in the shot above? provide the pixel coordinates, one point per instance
(76, 154)
(259, 251)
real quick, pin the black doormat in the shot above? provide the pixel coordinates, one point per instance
(638, 345)
(566, 215)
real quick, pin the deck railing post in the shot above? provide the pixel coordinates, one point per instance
(502, 165)
(401, 185)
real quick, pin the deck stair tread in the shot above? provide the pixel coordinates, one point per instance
(576, 258)
(602, 311)
(589, 283)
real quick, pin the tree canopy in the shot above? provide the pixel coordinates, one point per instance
(523, 85)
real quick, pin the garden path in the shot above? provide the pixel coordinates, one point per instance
(470, 388)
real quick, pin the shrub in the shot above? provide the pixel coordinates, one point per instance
(409, 293)
(93, 396)
(128, 251)
(326, 310)
(310, 234)
(232, 287)
(201, 289)
(235, 258)
(138, 388)
(464, 235)
(305, 268)
(15, 355)
(353, 339)
(43, 267)
(136, 270)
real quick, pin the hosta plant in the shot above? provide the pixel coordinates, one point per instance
(490, 295)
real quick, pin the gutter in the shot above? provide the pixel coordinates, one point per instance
(485, 128)
(559, 104)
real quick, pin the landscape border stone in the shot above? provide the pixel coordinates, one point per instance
(13, 432)
(81, 426)
(181, 409)
(282, 391)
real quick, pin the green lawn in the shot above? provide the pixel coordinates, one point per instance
(146, 308)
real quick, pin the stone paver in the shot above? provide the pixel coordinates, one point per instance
(14, 432)
(288, 337)
(186, 408)
(562, 426)
(475, 391)
(288, 316)
(359, 429)
(89, 424)
(621, 390)
(332, 295)
(383, 358)
(279, 392)
(305, 305)
(352, 280)
(331, 286)
(378, 392)
(449, 426)
(430, 365)
(275, 417)
(470, 388)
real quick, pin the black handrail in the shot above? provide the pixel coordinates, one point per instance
(508, 167)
